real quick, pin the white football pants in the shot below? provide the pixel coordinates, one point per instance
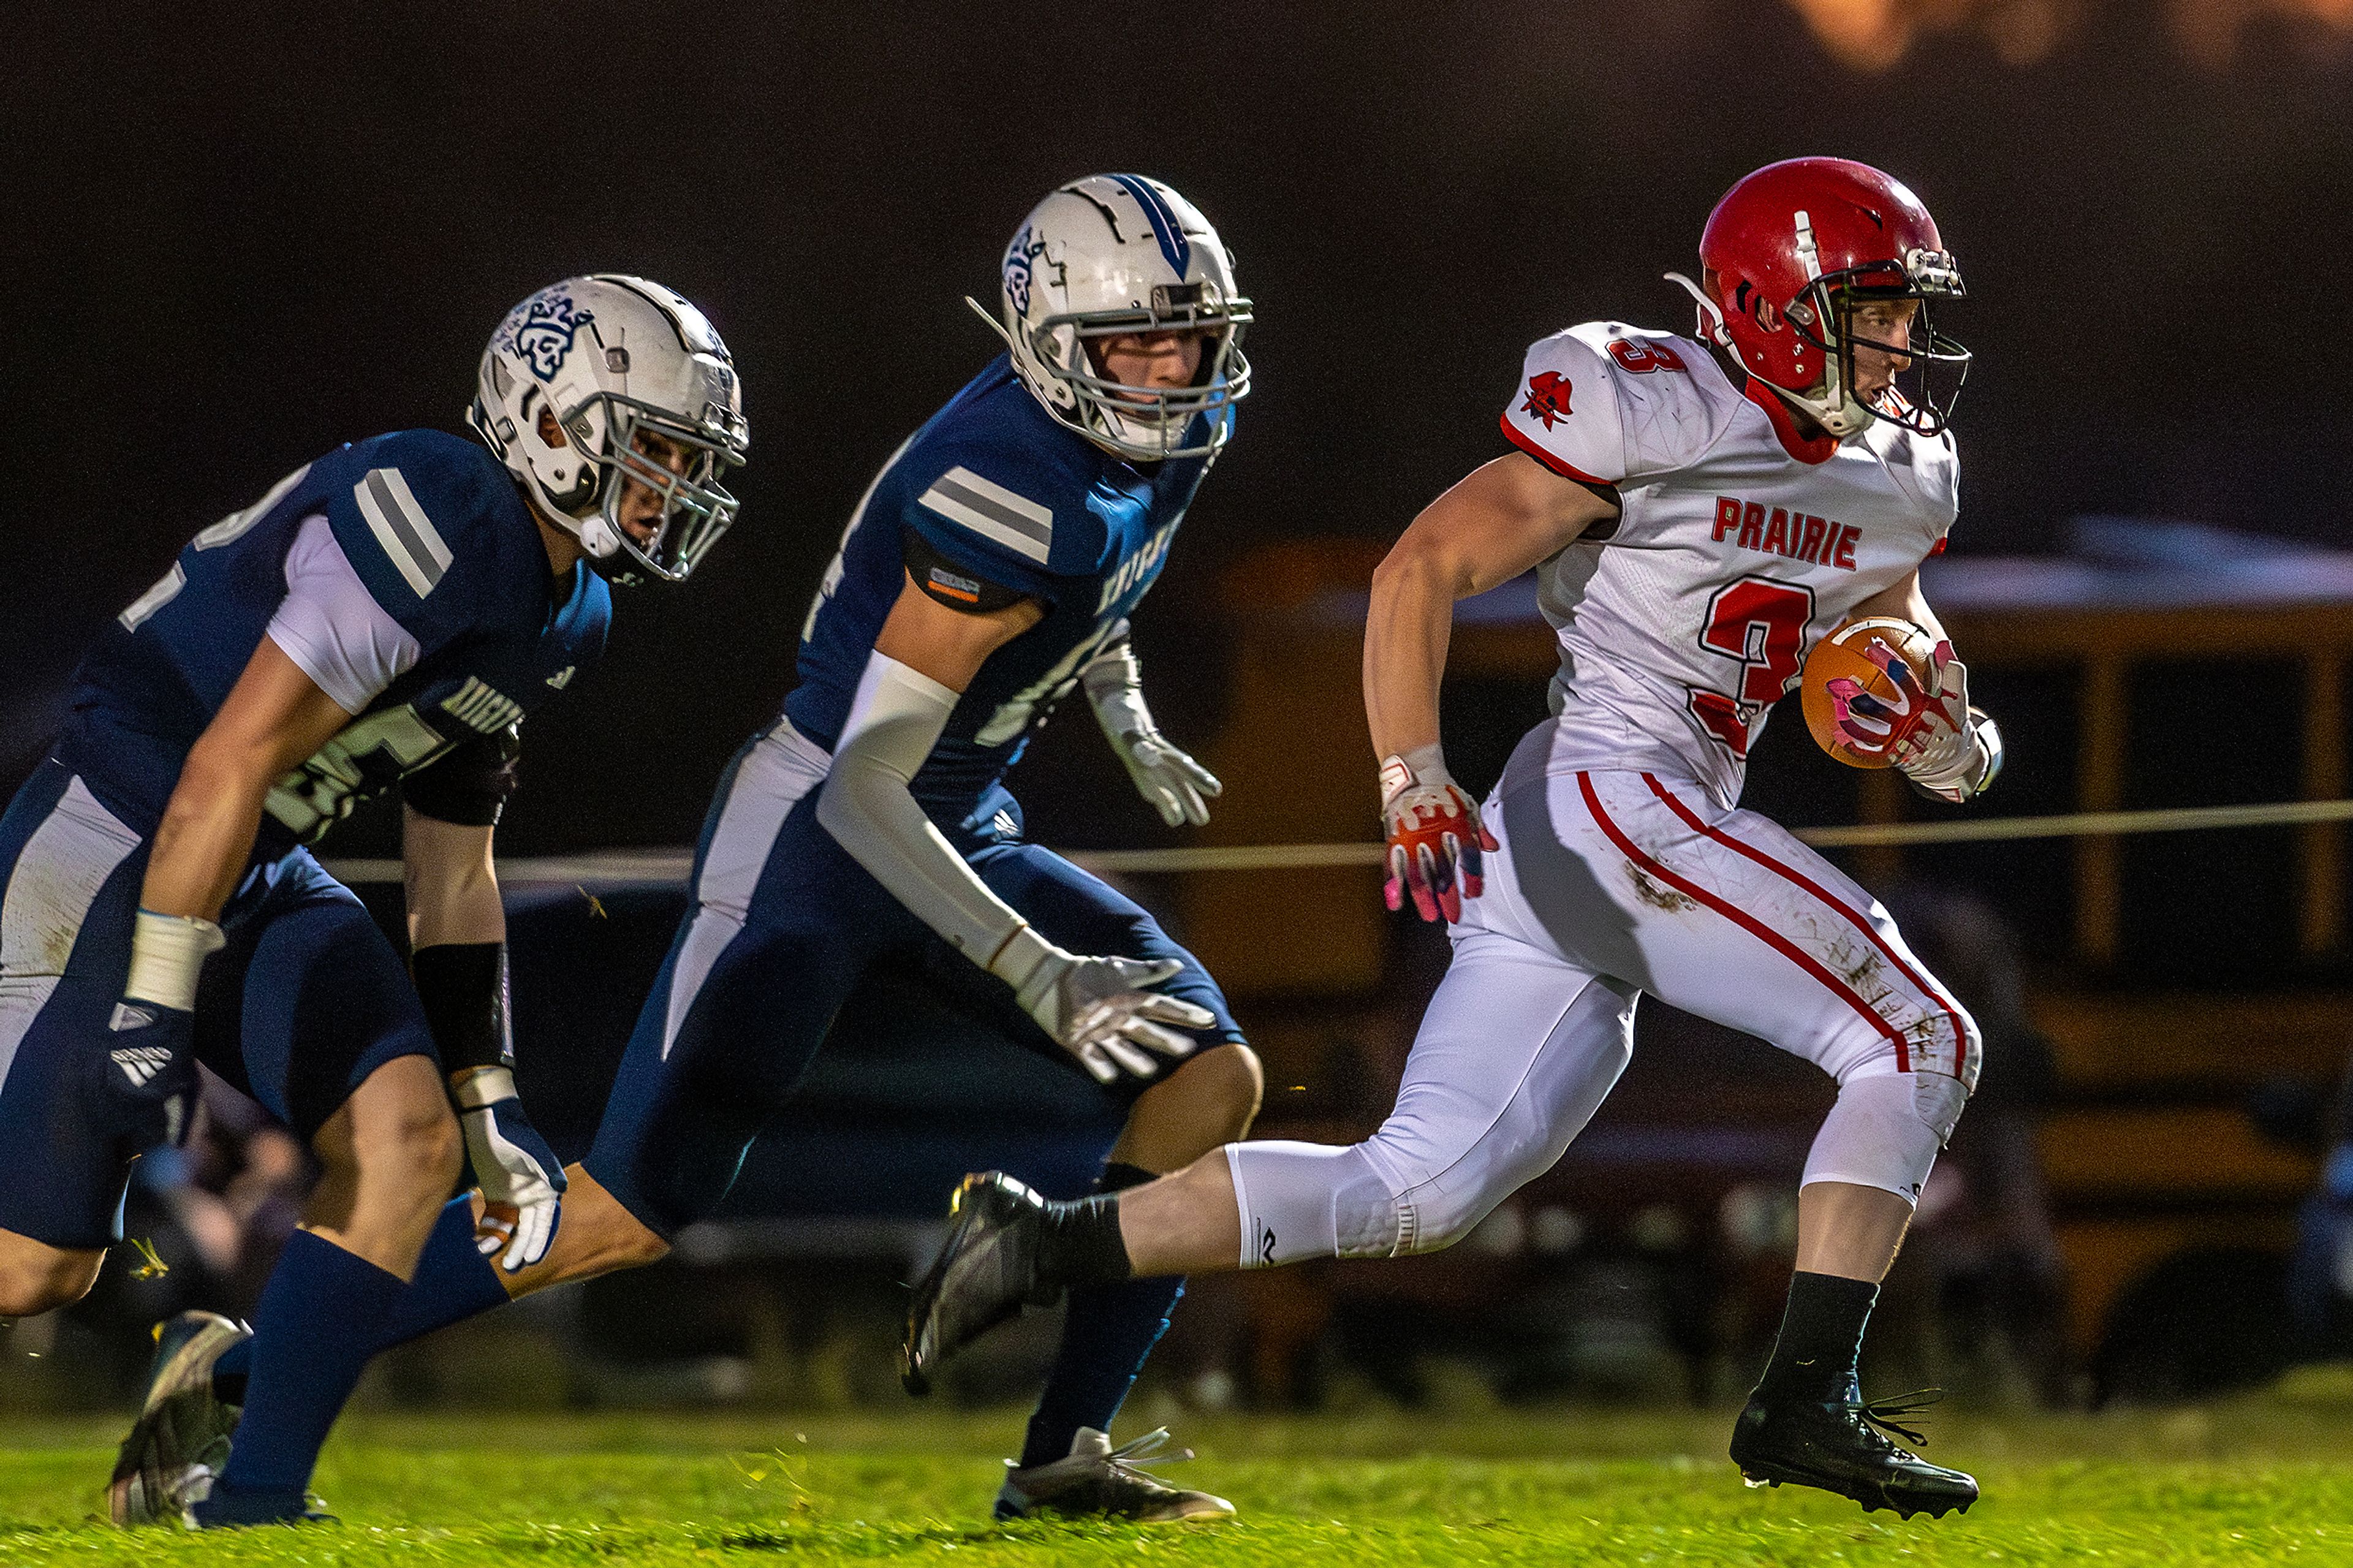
(1610, 885)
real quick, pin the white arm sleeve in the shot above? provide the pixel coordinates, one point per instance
(331, 627)
(894, 721)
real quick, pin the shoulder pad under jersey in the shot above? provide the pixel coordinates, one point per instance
(1004, 503)
(435, 530)
(1608, 403)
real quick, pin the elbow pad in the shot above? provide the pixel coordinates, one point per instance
(894, 721)
(470, 785)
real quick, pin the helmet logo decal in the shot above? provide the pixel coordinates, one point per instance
(539, 333)
(1021, 257)
(1174, 246)
(1547, 397)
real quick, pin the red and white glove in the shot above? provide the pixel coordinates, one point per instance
(1941, 743)
(1435, 836)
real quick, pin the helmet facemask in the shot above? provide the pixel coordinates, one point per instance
(1921, 392)
(694, 508)
(1148, 424)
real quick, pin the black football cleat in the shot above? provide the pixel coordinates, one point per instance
(1838, 1445)
(985, 1273)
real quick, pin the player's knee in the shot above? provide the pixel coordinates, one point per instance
(1470, 1171)
(420, 1152)
(631, 1243)
(1233, 1083)
(35, 1280)
(638, 1249)
(1433, 1218)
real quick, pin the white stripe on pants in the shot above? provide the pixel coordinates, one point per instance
(781, 768)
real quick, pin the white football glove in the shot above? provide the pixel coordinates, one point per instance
(1174, 784)
(1102, 1011)
(522, 1181)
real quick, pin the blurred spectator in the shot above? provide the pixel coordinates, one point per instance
(214, 1213)
(2320, 1275)
(1981, 1286)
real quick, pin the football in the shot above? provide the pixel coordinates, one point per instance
(1847, 652)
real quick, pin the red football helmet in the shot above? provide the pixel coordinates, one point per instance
(1790, 251)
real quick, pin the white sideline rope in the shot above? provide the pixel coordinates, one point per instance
(671, 868)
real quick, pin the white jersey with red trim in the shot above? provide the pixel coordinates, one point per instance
(1740, 543)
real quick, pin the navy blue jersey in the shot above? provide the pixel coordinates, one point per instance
(443, 545)
(996, 487)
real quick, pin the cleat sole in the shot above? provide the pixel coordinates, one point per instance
(1870, 1503)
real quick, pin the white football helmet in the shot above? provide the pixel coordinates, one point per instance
(1114, 254)
(611, 357)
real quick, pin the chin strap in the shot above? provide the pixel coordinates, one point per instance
(986, 314)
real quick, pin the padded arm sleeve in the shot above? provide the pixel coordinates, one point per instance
(894, 721)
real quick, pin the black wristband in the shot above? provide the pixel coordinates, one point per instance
(464, 988)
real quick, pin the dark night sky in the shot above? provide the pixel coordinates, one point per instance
(244, 234)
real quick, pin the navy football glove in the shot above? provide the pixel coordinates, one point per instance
(147, 1077)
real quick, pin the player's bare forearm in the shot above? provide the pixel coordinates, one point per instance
(1903, 601)
(1505, 518)
(452, 888)
(273, 718)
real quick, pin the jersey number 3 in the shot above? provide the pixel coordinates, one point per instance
(1760, 624)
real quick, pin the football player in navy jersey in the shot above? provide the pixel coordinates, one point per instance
(383, 619)
(987, 574)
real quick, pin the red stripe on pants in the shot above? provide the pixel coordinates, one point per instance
(1747, 921)
(1853, 916)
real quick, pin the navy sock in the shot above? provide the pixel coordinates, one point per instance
(319, 1319)
(453, 1282)
(1109, 1330)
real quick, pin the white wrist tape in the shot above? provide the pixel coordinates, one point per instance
(485, 1087)
(894, 721)
(167, 957)
(1019, 958)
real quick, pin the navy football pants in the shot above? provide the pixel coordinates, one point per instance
(307, 999)
(781, 925)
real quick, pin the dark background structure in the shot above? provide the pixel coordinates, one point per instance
(242, 234)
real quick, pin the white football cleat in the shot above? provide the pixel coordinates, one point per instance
(1099, 1481)
(181, 1438)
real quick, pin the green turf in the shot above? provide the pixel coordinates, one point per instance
(2256, 1480)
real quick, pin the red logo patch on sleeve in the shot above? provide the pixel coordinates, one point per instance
(1547, 397)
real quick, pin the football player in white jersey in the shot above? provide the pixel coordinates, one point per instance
(1700, 511)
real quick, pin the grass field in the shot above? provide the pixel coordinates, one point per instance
(2265, 1480)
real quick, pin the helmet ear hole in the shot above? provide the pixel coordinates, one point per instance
(550, 431)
